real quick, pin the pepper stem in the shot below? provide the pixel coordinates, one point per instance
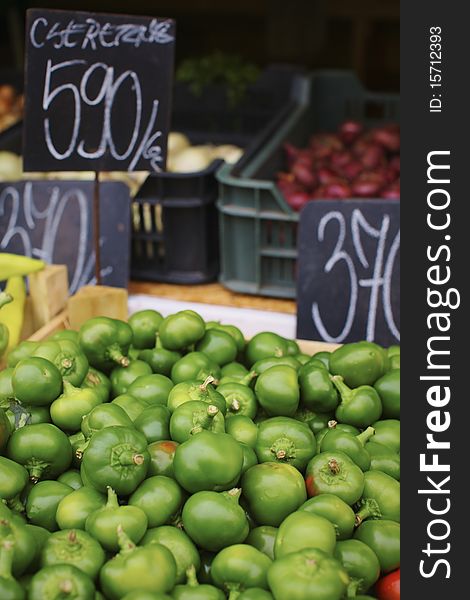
(191, 579)
(235, 406)
(233, 494)
(15, 504)
(66, 363)
(248, 378)
(209, 379)
(353, 587)
(115, 354)
(205, 421)
(233, 591)
(6, 557)
(125, 543)
(369, 509)
(332, 424)
(365, 435)
(35, 469)
(112, 501)
(334, 467)
(66, 586)
(344, 391)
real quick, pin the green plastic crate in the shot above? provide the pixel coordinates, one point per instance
(258, 229)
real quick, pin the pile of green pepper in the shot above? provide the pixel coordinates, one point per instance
(170, 458)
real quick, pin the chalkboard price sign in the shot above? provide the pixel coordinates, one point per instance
(349, 271)
(98, 91)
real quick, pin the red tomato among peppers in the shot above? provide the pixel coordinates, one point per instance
(388, 588)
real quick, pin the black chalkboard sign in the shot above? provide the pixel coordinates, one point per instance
(348, 286)
(52, 220)
(97, 91)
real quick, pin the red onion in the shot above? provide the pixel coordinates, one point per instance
(296, 200)
(349, 131)
(326, 175)
(352, 170)
(387, 136)
(304, 175)
(367, 185)
(338, 189)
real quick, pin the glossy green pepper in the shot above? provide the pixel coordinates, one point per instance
(264, 364)
(382, 458)
(194, 366)
(234, 369)
(361, 564)
(6, 387)
(42, 503)
(387, 432)
(12, 529)
(215, 520)
(162, 454)
(265, 345)
(181, 330)
(238, 567)
(160, 359)
(78, 443)
(154, 423)
(292, 347)
(316, 421)
(302, 358)
(68, 410)
(263, 538)
(24, 349)
(13, 478)
(192, 390)
(239, 398)
(218, 345)
(43, 449)
(67, 357)
(10, 589)
(122, 377)
(140, 595)
(65, 334)
(105, 342)
(99, 382)
(388, 388)
(59, 580)
(324, 357)
(102, 524)
(192, 417)
(395, 361)
(380, 498)
(73, 547)
(133, 407)
(41, 536)
(179, 544)
(144, 325)
(193, 590)
(36, 381)
(116, 457)
(152, 389)
(255, 593)
(272, 491)
(160, 498)
(317, 392)
(383, 536)
(74, 509)
(208, 461)
(359, 363)
(242, 429)
(234, 332)
(277, 390)
(352, 445)
(301, 530)
(149, 568)
(359, 407)
(104, 415)
(309, 573)
(334, 473)
(331, 507)
(285, 440)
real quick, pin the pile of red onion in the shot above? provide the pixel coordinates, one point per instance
(352, 163)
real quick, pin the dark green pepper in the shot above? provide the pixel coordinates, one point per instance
(239, 398)
(133, 407)
(263, 538)
(194, 416)
(152, 389)
(67, 357)
(331, 507)
(194, 366)
(317, 392)
(352, 445)
(193, 590)
(334, 473)
(359, 363)
(68, 410)
(277, 390)
(13, 529)
(264, 364)
(160, 359)
(388, 388)
(324, 357)
(359, 407)
(122, 377)
(73, 547)
(285, 440)
(99, 382)
(105, 342)
(9, 587)
(218, 345)
(302, 529)
(242, 429)
(42, 503)
(74, 509)
(383, 536)
(36, 381)
(154, 423)
(383, 459)
(380, 498)
(24, 349)
(387, 432)
(265, 345)
(361, 564)
(160, 498)
(144, 325)
(104, 415)
(239, 567)
(195, 390)
(181, 330)
(13, 478)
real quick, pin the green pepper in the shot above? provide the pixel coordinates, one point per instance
(20, 415)
(242, 429)
(352, 445)
(359, 363)
(334, 473)
(102, 524)
(263, 538)
(309, 573)
(152, 389)
(208, 461)
(179, 544)
(302, 529)
(383, 536)
(60, 581)
(382, 458)
(24, 349)
(160, 498)
(235, 333)
(218, 345)
(380, 498)
(265, 345)
(133, 407)
(9, 587)
(359, 407)
(67, 357)
(272, 491)
(239, 398)
(42, 502)
(154, 423)
(277, 390)
(324, 357)
(41, 536)
(160, 359)
(122, 377)
(6, 387)
(194, 366)
(74, 509)
(36, 381)
(191, 390)
(192, 417)
(285, 440)
(65, 334)
(316, 421)
(215, 520)
(302, 358)
(193, 590)
(238, 567)
(144, 325)
(162, 454)
(105, 342)
(393, 350)
(68, 410)
(387, 432)
(140, 595)
(149, 568)
(12, 529)
(361, 564)
(73, 547)
(181, 330)
(249, 458)
(388, 388)
(13, 478)
(331, 507)
(317, 392)
(104, 415)
(78, 443)
(292, 347)
(116, 457)
(264, 364)
(98, 382)
(43, 449)
(395, 361)
(255, 593)
(234, 369)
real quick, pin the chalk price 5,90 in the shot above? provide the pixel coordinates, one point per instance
(100, 87)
